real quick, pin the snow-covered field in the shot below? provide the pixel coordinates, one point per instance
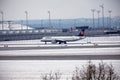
(13, 26)
(88, 41)
(33, 70)
(61, 52)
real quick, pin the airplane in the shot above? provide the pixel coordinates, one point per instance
(63, 39)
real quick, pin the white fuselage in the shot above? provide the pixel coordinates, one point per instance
(61, 38)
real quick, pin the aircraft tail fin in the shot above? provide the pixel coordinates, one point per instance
(82, 32)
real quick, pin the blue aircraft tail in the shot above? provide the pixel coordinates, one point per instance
(82, 32)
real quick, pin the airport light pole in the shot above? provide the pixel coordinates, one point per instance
(102, 6)
(109, 11)
(93, 10)
(9, 25)
(49, 19)
(26, 19)
(2, 19)
(21, 25)
(98, 17)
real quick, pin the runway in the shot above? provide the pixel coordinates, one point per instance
(65, 57)
(73, 53)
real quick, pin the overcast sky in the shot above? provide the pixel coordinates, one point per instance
(59, 9)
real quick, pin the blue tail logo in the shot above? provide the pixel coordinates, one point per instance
(82, 32)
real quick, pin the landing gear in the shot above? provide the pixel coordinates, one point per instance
(45, 42)
(63, 42)
(60, 42)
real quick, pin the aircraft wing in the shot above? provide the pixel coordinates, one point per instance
(60, 41)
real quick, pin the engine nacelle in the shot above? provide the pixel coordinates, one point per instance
(53, 41)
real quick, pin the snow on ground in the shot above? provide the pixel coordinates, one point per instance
(110, 40)
(33, 70)
(88, 41)
(14, 26)
(106, 39)
(61, 52)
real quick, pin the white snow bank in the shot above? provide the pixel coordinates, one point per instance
(14, 27)
(60, 52)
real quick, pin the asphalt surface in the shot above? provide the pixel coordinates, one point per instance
(65, 57)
